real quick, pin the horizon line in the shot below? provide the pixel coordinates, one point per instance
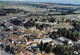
(44, 2)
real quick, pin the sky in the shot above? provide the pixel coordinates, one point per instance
(52, 1)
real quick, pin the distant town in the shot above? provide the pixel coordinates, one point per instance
(28, 28)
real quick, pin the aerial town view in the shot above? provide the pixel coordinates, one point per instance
(39, 27)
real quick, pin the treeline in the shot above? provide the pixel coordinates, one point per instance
(64, 50)
(71, 34)
(67, 33)
(58, 49)
(35, 5)
(4, 12)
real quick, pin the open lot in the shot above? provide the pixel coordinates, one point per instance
(62, 26)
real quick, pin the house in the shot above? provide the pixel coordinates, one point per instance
(65, 40)
(46, 40)
(77, 42)
(55, 42)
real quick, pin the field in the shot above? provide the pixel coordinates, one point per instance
(62, 26)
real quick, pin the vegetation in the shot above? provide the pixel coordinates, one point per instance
(63, 50)
(4, 12)
(16, 22)
(46, 47)
(41, 46)
(29, 24)
(71, 34)
(52, 20)
(76, 25)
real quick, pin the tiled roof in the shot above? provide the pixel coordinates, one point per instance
(27, 54)
(17, 54)
(30, 40)
(11, 44)
(16, 37)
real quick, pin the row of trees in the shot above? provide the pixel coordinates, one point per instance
(66, 50)
(71, 34)
(63, 50)
(59, 49)
(4, 12)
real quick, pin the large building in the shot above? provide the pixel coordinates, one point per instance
(43, 40)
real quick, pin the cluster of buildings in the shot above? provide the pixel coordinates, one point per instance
(20, 41)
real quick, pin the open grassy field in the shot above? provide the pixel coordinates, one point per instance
(62, 26)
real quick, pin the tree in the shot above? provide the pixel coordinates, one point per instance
(2, 45)
(64, 32)
(65, 42)
(16, 22)
(59, 31)
(29, 24)
(12, 50)
(7, 48)
(48, 49)
(52, 20)
(41, 46)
